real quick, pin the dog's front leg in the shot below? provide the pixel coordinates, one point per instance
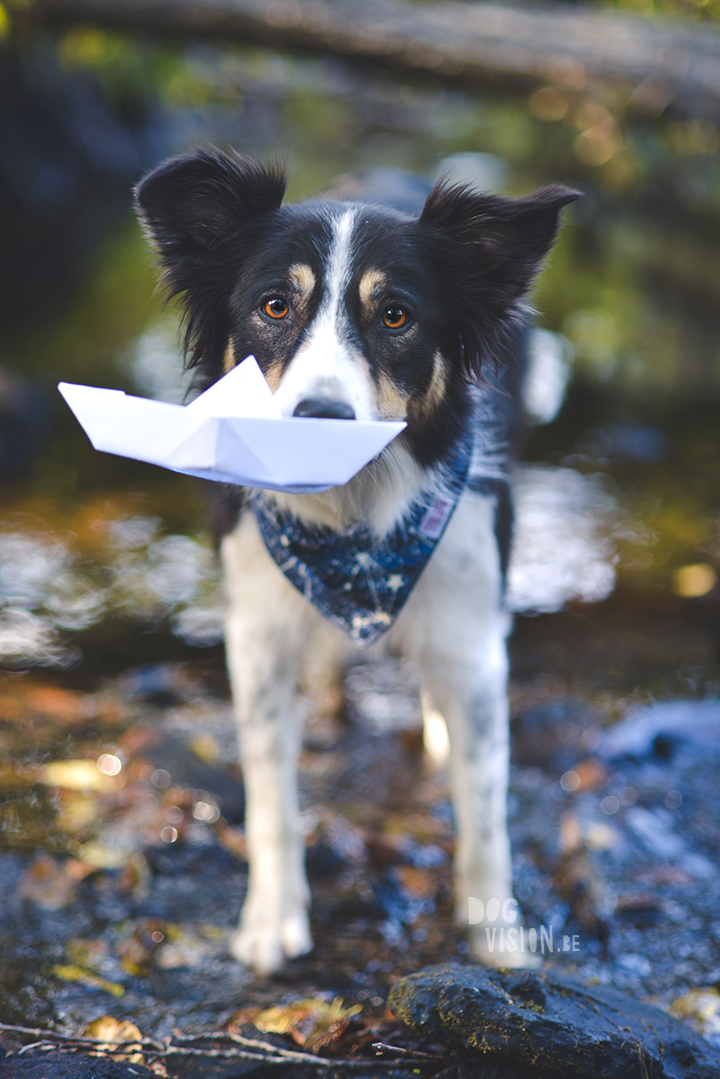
(456, 629)
(263, 639)
(471, 694)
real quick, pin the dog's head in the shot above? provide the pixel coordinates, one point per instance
(352, 310)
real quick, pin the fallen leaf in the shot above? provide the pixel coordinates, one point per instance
(111, 1031)
(206, 748)
(701, 1004)
(65, 706)
(601, 836)
(62, 704)
(77, 810)
(51, 884)
(78, 775)
(100, 857)
(417, 882)
(310, 1022)
(137, 948)
(71, 973)
(592, 774)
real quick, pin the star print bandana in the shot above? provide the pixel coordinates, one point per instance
(357, 581)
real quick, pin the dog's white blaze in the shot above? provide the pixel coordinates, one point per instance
(326, 364)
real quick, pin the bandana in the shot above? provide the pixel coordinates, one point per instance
(357, 581)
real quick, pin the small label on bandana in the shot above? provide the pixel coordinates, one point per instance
(357, 581)
(436, 517)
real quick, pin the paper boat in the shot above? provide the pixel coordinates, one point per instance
(232, 433)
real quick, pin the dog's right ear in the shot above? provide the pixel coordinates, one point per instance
(198, 211)
(196, 200)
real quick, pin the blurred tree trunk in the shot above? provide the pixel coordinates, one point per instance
(491, 44)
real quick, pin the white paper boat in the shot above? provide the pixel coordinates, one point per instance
(232, 433)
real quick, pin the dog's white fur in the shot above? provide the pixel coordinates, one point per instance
(454, 629)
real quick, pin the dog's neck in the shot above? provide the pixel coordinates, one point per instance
(377, 496)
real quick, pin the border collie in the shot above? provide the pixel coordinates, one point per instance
(398, 303)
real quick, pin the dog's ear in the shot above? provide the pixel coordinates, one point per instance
(196, 200)
(490, 249)
(199, 211)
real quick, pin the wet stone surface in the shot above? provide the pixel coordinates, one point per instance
(550, 1023)
(120, 885)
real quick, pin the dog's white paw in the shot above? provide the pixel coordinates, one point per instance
(265, 948)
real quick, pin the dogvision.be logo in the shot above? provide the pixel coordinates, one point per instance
(506, 937)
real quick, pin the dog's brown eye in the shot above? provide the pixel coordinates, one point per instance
(276, 308)
(394, 318)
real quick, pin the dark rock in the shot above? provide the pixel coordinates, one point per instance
(59, 1065)
(663, 728)
(551, 1025)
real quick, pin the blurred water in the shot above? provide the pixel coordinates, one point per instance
(563, 548)
(620, 491)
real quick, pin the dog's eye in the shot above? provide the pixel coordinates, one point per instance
(276, 307)
(394, 318)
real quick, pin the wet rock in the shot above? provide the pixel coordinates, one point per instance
(551, 1024)
(58, 1065)
(663, 728)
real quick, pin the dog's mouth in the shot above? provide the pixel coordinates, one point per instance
(323, 408)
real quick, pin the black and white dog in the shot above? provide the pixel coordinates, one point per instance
(395, 305)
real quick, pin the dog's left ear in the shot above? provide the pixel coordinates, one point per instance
(490, 247)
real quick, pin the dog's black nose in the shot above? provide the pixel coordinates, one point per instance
(322, 408)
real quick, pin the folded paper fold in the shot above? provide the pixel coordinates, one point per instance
(232, 433)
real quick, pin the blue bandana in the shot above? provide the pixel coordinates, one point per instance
(357, 581)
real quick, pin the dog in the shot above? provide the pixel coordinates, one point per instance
(390, 301)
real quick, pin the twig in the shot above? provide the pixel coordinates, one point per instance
(268, 1054)
(54, 1035)
(381, 1047)
(249, 1043)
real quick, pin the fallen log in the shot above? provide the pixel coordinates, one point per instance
(486, 44)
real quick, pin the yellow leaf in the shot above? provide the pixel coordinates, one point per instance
(77, 775)
(310, 1022)
(100, 857)
(71, 973)
(702, 1005)
(113, 1031)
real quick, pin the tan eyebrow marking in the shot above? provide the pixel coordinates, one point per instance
(370, 283)
(433, 396)
(304, 281)
(392, 405)
(438, 383)
(229, 361)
